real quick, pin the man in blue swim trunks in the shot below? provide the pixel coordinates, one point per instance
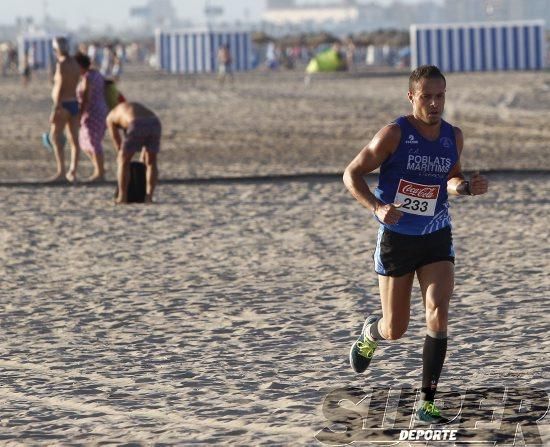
(65, 111)
(419, 160)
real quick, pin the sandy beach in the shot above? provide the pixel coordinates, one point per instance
(223, 314)
(269, 123)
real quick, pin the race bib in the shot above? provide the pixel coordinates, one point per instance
(416, 198)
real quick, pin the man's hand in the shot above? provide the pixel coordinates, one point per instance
(388, 214)
(478, 184)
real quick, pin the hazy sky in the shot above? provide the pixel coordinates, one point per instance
(98, 13)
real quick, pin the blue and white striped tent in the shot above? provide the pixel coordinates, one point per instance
(488, 46)
(195, 51)
(39, 48)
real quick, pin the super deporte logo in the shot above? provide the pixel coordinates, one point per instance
(499, 416)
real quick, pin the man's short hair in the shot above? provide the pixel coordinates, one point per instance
(61, 44)
(425, 72)
(83, 60)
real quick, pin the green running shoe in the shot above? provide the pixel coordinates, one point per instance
(430, 414)
(362, 350)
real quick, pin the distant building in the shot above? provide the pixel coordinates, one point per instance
(496, 10)
(314, 14)
(346, 16)
(7, 32)
(275, 4)
(351, 16)
(156, 13)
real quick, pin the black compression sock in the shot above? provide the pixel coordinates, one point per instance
(433, 357)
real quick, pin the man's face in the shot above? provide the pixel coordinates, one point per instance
(428, 100)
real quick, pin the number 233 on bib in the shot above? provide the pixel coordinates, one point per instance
(416, 198)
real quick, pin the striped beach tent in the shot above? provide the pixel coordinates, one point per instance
(39, 49)
(486, 46)
(195, 51)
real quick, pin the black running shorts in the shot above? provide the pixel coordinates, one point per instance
(398, 254)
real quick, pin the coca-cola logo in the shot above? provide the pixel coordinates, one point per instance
(421, 191)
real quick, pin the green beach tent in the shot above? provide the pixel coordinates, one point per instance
(326, 61)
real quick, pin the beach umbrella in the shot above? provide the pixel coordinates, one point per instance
(261, 38)
(391, 37)
(322, 39)
(399, 39)
(292, 40)
(362, 40)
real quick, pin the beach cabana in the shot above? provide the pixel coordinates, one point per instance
(486, 46)
(195, 51)
(38, 48)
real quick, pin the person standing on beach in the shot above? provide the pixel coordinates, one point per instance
(142, 130)
(93, 112)
(419, 160)
(224, 64)
(65, 112)
(26, 71)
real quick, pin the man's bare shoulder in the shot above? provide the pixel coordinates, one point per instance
(68, 64)
(387, 139)
(121, 114)
(392, 130)
(114, 115)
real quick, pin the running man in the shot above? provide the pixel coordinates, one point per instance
(65, 112)
(142, 130)
(419, 160)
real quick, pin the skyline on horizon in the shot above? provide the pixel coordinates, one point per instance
(106, 13)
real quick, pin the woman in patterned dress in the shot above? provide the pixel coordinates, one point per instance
(93, 111)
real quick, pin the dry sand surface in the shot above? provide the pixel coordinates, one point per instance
(223, 314)
(272, 124)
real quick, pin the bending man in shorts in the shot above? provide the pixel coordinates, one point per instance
(419, 160)
(142, 130)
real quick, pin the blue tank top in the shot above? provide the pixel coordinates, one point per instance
(416, 175)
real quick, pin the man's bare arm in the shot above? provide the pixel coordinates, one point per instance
(370, 158)
(114, 132)
(457, 185)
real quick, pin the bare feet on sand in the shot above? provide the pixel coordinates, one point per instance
(57, 178)
(96, 179)
(71, 177)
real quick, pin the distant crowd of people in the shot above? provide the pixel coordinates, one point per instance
(8, 58)
(85, 105)
(280, 56)
(108, 58)
(274, 56)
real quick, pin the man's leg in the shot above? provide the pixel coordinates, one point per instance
(56, 132)
(437, 284)
(152, 175)
(73, 126)
(395, 295)
(99, 171)
(123, 175)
